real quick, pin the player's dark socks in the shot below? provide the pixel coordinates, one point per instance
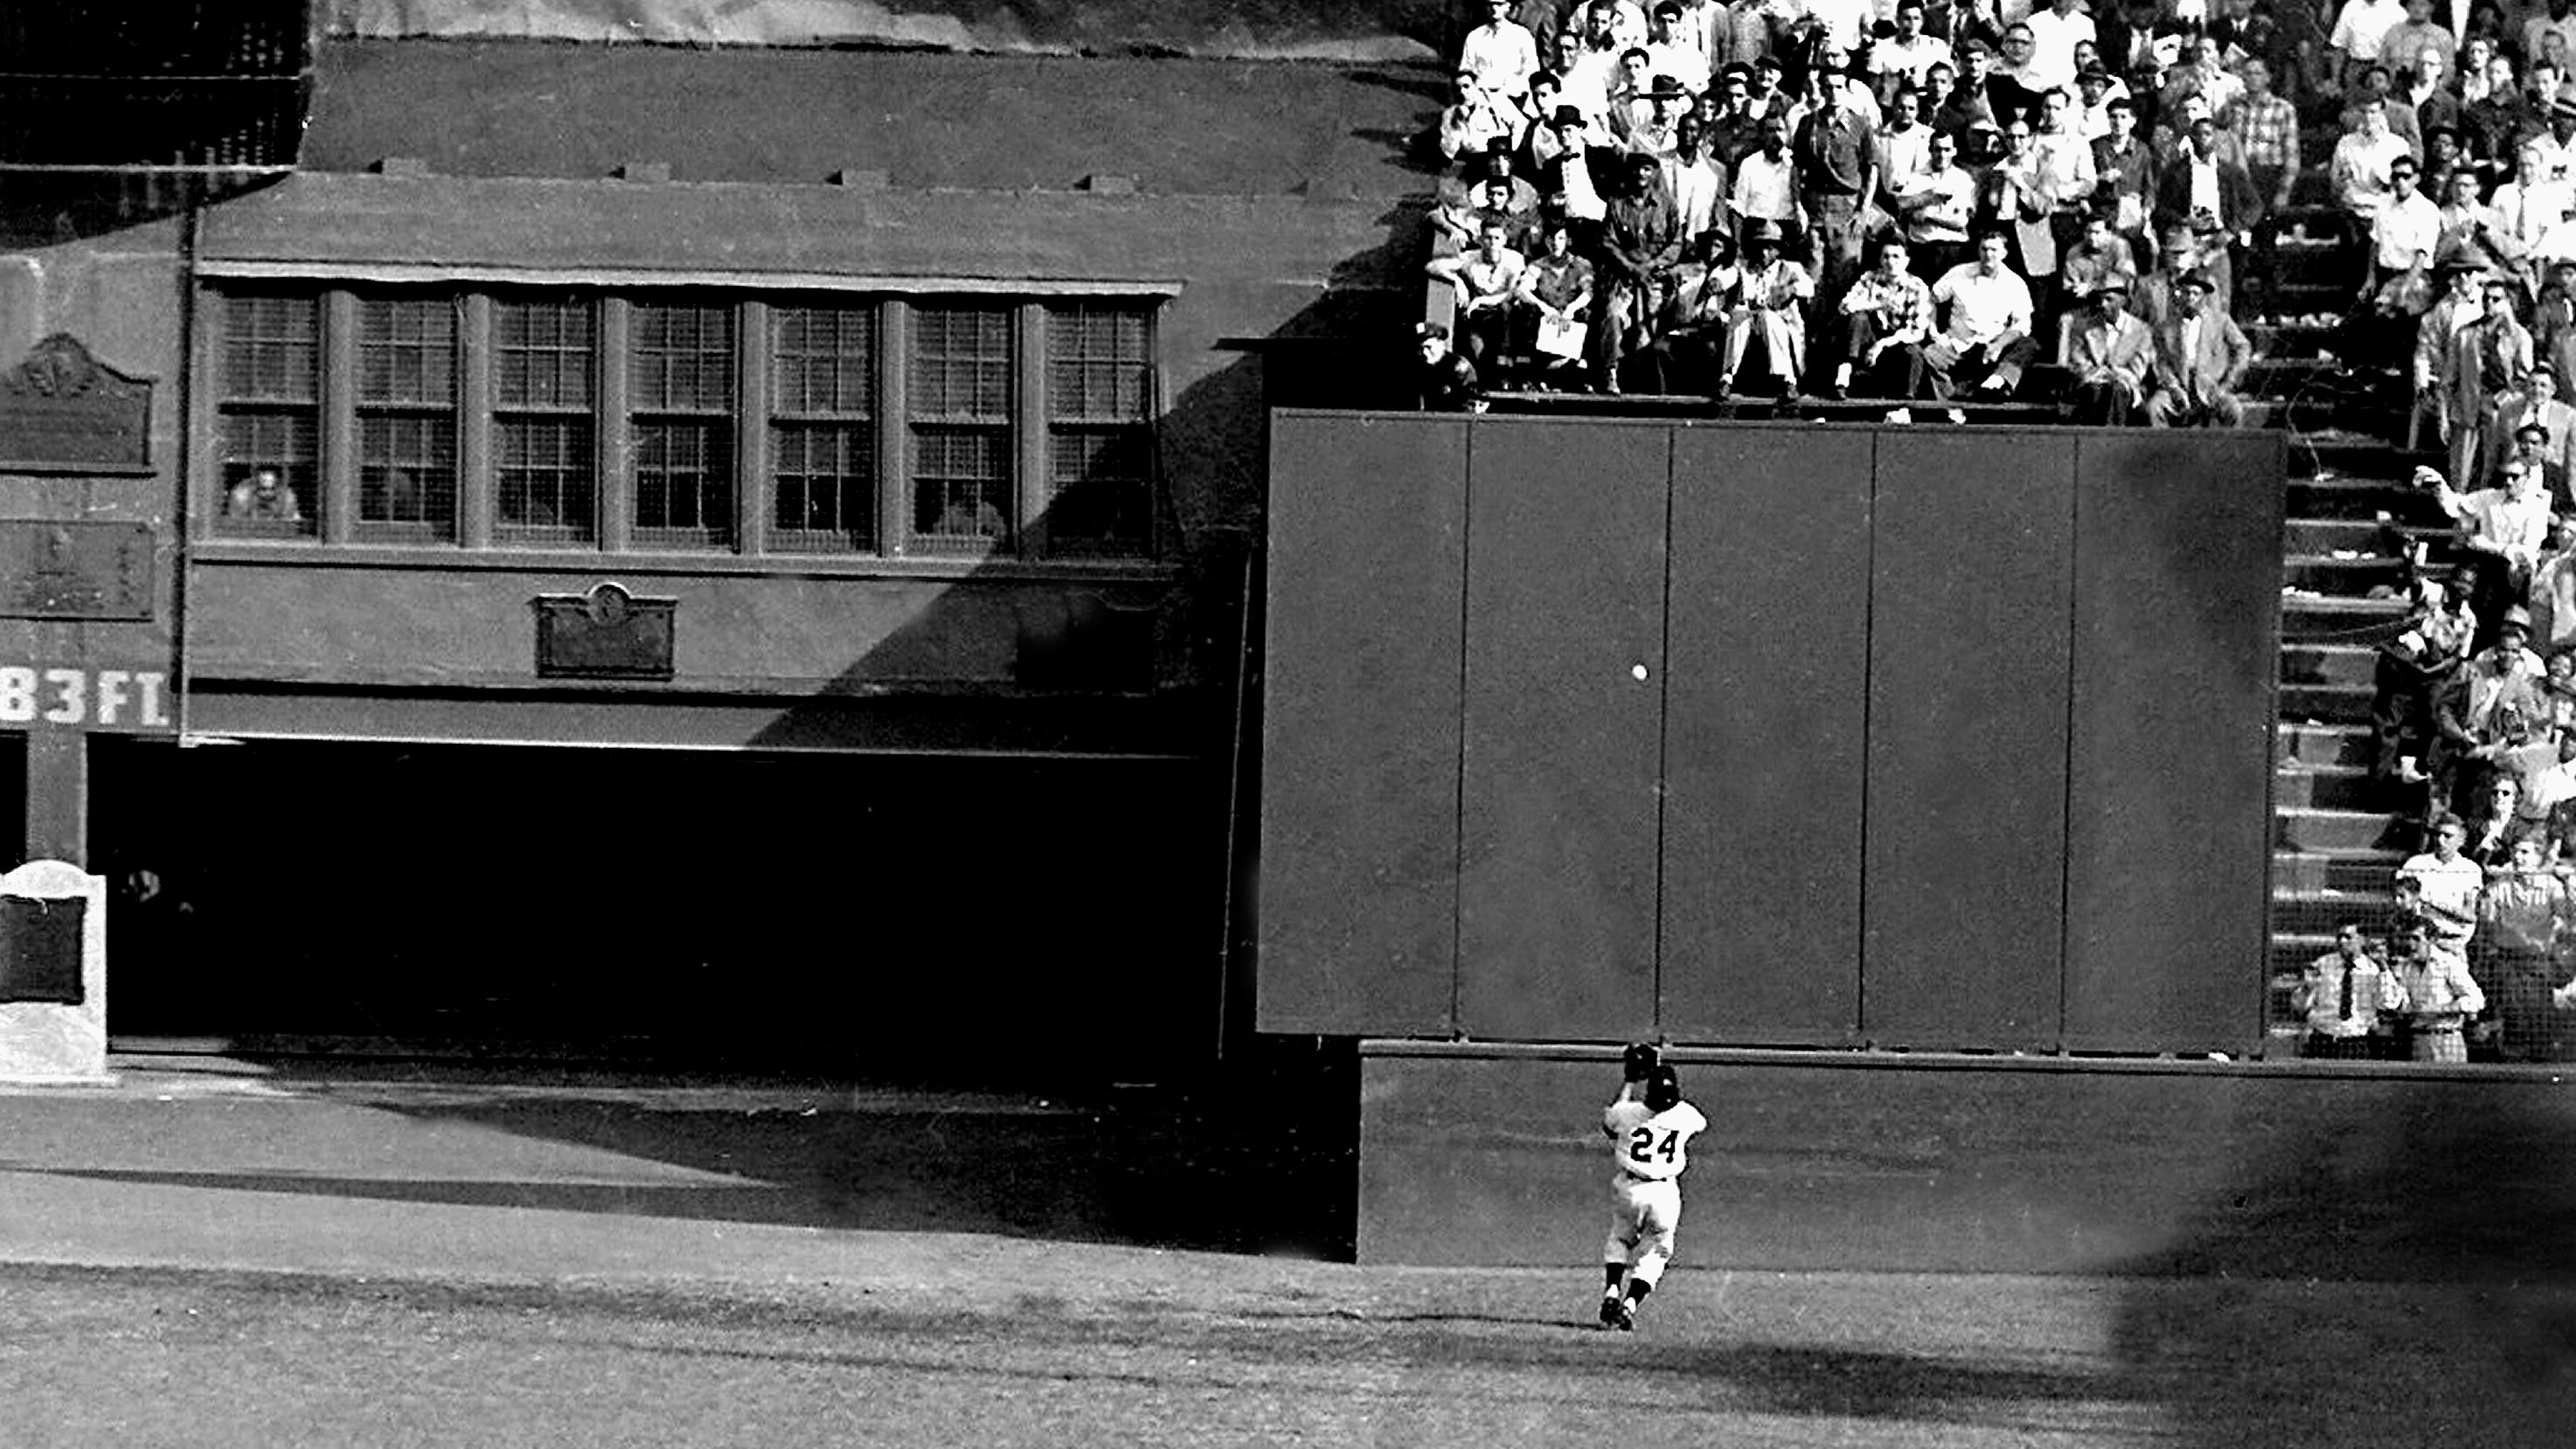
(1638, 1288)
(1611, 1273)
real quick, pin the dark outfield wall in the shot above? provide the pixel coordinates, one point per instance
(1981, 1165)
(1767, 735)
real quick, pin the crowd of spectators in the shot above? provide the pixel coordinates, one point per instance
(1807, 197)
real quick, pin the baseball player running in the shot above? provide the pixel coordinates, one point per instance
(1650, 1128)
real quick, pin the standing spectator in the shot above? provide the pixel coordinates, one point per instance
(1909, 54)
(2532, 407)
(1837, 172)
(2206, 191)
(1475, 120)
(1904, 149)
(1696, 180)
(2201, 357)
(2106, 352)
(1935, 211)
(2440, 993)
(2341, 995)
(2361, 33)
(1640, 243)
(2411, 673)
(2488, 357)
(2055, 30)
(1888, 316)
(2420, 87)
(2377, 88)
(1772, 310)
(2494, 122)
(1735, 131)
(2416, 36)
(1671, 49)
(1501, 53)
(2125, 167)
(2557, 16)
(2366, 169)
(1969, 103)
(2530, 206)
(2267, 130)
(2444, 885)
(2557, 146)
(1985, 342)
(1766, 186)
(2523, 921)
(2506, 528)
(1555, 292)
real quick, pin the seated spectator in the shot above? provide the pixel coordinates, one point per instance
(2528, 207)
(2557, 146)
(1690, 340)
(2342, 995)
(1444, 382)
(1985, 338)
(1565, 179)
(2420, 89)
(1487, 280)
(2098, 255)
(1632, 97)
(2552, 602)
(2106, 353)
(2201, 357)
(2095, 91)
(1492, 197)
(1552, 302)
(2364, 168)
(2506, 684)
(1641, 242)
(2444, 886)
(1771, 309)
(2410, 40)
(2466, 221)
(2494, 828)
(1888, 316)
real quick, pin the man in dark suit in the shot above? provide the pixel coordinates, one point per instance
(2209, 191)
(2200, 361)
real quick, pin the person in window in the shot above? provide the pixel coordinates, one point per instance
(2341, 996)
(263, 495)
(1985, 343)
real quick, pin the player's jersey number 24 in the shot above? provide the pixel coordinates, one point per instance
(1644, 1150)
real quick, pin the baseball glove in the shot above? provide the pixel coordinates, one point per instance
(1639, 1062)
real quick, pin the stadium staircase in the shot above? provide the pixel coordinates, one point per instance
(2352, 512)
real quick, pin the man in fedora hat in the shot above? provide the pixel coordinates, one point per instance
(1641, 241)
(1690, 339)
(2201, 357)
(1771, 309)
(2107, 352)
(1656, 132)
(2535, 410)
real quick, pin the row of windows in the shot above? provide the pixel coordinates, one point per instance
(364, 405)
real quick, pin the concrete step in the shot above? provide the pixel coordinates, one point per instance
(2336, 618)
(2356, 499)
(2326, 703)
(2339, 831)
(2322, 913)
(2320, 745)
(2311, 872)
(2323, 787)
(2351, 665)
(2350, 574)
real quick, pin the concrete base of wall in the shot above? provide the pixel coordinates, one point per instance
(1493, 1156)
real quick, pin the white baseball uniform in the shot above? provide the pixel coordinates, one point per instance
(1651, 1150)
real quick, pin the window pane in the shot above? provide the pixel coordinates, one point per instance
(543, 473)
(269, 473)
(407, 350)
(961, 488)
(272, 348)
(407, 471)
(824, 360)
(683, 358)
(683, 483)
(541, 353)
(823, 487)
(1100, 365)
(961, 364)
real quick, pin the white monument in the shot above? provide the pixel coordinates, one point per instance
(53, 1020)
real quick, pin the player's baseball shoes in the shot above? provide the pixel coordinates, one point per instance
(1612, 1309)
(1624, 1316)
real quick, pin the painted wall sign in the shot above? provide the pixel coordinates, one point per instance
(63, 411)
(51, 570)
(38, 696)
(607, 633)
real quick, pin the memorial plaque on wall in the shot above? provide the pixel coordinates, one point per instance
(63, 411)
(40, 948)
(51, 570)
(607, 633)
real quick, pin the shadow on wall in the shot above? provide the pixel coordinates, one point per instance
(2405, 1275)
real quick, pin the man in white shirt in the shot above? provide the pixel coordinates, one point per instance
(2403, 234)
(1671, 49)
(1985, 342)
(2558, 16)
(2054, 34)
(1500, 53)
(1909, 54)
(1846, 21)
(2361, 33)
(1936, 208)
(1766, 183)
(2530, 206)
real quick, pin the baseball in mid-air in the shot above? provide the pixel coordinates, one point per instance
(1639, 671)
